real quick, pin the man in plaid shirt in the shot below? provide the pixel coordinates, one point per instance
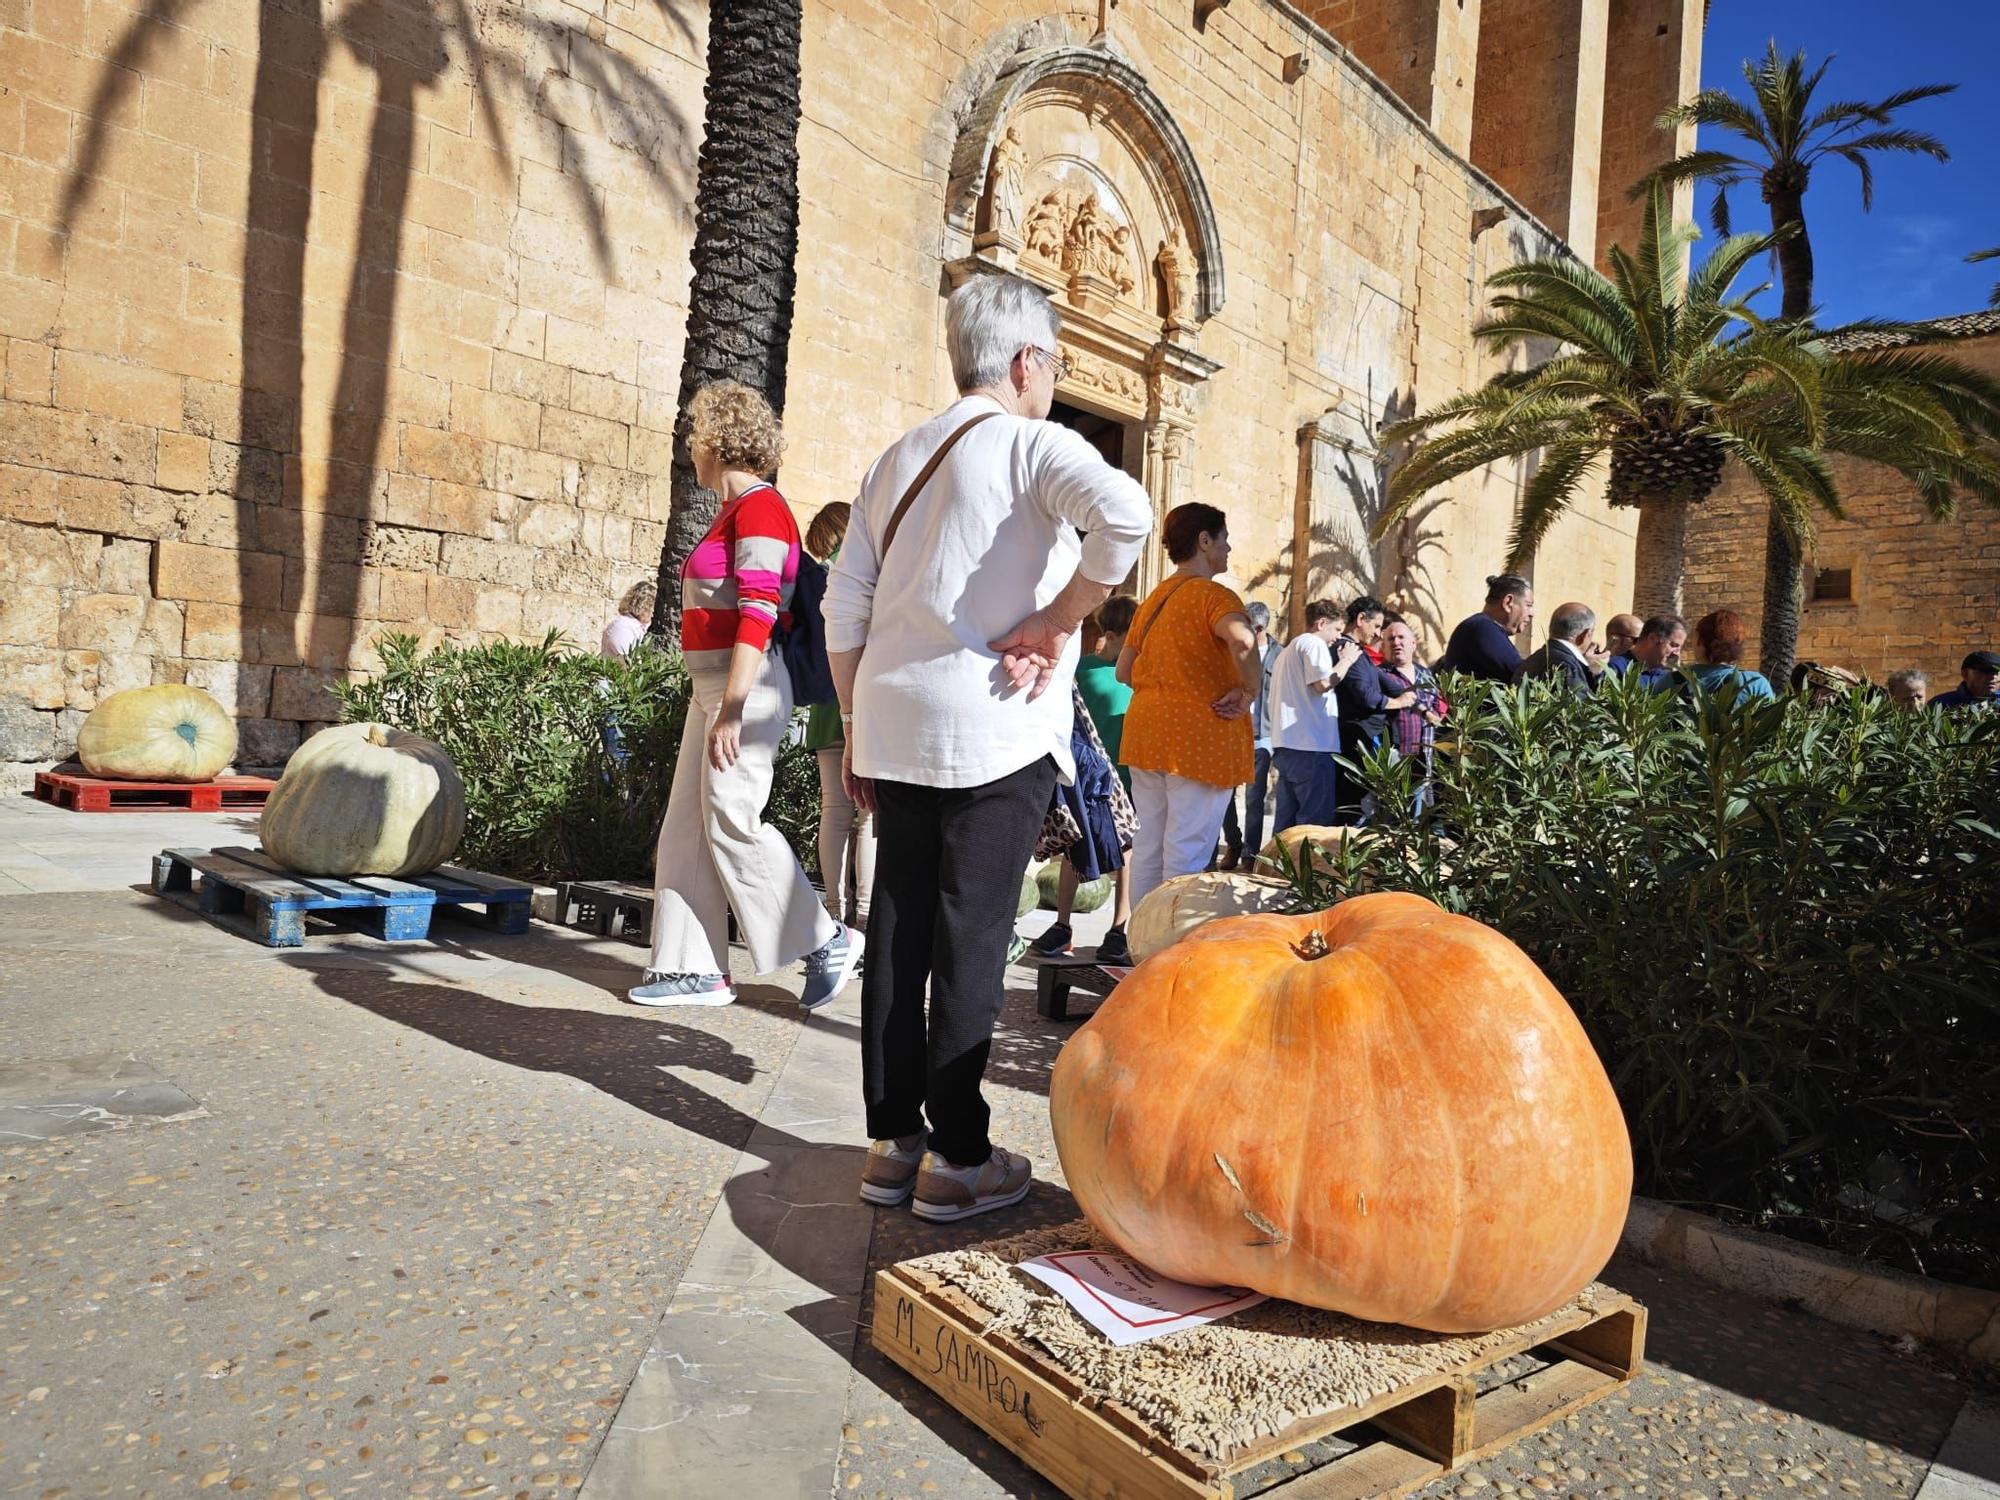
(1411, 730)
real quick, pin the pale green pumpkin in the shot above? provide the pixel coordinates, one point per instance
(365, 799)
(1090, 894)
(166, 733)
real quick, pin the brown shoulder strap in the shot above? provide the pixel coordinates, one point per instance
(923, 478)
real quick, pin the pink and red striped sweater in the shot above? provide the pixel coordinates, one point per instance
(736, 585)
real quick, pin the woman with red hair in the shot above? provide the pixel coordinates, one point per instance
(1719, 637)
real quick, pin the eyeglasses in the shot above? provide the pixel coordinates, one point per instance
(1062, 364)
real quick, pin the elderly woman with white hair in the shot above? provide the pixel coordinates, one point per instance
(978, 544)
(628, 626)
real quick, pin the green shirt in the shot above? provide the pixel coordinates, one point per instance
(1105, 697)
(823, 730)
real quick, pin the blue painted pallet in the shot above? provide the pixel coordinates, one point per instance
(224, 882)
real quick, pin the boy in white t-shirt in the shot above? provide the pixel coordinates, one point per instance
(1304, 720)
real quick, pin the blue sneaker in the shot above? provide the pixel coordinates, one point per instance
(681, 989)
(829, 967)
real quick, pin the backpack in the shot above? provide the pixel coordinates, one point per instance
(803, 646)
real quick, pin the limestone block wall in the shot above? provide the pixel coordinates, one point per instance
(319, 322)
(1356, 246)
(323, 321)
(1923, 592)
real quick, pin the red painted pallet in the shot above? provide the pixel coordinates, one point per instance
(96, 794)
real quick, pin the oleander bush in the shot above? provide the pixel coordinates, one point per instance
(1780, 925)
(525, 724)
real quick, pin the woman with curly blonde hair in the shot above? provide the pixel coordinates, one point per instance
(716, 853)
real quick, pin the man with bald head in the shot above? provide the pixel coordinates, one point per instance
(1621, 634)
(1570, 658)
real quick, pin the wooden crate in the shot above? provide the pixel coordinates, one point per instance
(249, 890)
(83, 793)
(1056, 977)
(1093, 1449)
(612, 908)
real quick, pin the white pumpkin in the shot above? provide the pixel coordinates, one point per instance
(365, 799)
(1326, 844)
(165, 733)
(1173, 910)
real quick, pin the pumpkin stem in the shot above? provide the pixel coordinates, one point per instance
(376, 735)
(1311, 946)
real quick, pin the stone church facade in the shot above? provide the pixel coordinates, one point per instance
(320, 322)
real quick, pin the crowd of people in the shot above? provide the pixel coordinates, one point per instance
(991, 699)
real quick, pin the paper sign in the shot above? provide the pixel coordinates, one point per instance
(1127, 1303)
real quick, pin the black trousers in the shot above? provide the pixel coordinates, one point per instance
(948, 868)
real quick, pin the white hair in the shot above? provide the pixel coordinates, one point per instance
(989, 320)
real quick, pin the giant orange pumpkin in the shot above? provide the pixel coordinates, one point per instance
(1379, 1108)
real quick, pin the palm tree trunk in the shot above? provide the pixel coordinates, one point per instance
(1661, 557)
(1778, 634)
(746, 236)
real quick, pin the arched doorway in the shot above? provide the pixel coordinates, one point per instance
(1072, 173)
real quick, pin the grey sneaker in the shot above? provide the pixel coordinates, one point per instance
(681, 989)
(945, 1192)
(891, 1170)
(830, 967)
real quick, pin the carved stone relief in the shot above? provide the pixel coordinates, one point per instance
(1070, 229)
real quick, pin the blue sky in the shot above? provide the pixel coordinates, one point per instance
(1905, 258)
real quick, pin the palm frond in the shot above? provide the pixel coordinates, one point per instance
(1916, 142)
(1718, 212)
(1718, 109)
(1993, 297)
(1548, 495)
(1861, 165)
(1695, 166)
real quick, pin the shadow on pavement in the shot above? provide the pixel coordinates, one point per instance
(633, 1056)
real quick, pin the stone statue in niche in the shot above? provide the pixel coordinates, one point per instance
(1004, 187)
(1046, 224)
(1112, 258)
(1079, 251)
(1175, 263)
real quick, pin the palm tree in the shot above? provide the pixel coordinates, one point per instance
(1993, 298)
(746, 237)
(1783, 138)
(1668, 375)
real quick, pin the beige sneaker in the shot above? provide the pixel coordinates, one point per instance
(891, 1170)
(945, 1192)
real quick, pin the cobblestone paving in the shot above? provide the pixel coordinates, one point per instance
(415, 1247)
(1739, 1398)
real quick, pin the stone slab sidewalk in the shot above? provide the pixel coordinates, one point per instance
(452, 1220)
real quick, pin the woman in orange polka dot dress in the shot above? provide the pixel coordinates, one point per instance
(1191, 661)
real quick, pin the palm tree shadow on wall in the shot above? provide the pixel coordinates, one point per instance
(408, 44)
(1339, 548)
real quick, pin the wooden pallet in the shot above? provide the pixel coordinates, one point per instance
(1057, 977)
(1091, 1448)
(81, 793)
(246, 888)
(612, 908)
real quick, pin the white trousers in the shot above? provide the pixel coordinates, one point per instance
(717, 854)
(1179, 820)
(846, 844)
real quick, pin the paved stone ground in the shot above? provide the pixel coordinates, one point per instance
(415, 1242)
(452, 1220)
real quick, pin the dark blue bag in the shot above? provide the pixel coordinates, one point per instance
(803, 646)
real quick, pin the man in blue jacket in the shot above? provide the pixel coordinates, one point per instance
(1364, 703)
